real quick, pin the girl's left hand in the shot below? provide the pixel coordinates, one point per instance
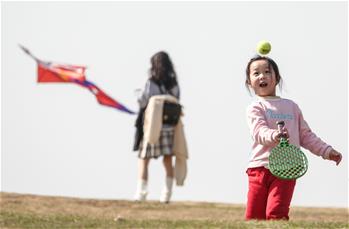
(335, 156)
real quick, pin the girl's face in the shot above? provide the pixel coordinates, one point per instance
(262, 78)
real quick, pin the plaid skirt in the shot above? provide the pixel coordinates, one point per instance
(162, 147)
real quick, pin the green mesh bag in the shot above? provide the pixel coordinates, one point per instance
(287, 161)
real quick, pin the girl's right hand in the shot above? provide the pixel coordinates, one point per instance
(281, 134)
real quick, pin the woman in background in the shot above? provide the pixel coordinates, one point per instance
(162, 80)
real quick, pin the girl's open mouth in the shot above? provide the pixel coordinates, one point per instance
(263, 84)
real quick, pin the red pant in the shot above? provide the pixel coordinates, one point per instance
(268, 196)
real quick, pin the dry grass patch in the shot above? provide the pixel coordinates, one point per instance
(32, 211)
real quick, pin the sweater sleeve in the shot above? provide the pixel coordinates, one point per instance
(259, 129)
(148, 91)
(310, 141)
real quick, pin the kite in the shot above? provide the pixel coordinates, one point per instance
(50, 72)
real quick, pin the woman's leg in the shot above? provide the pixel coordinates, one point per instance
(167, 190)
(143, 169)
(168, 165)
(141, 192)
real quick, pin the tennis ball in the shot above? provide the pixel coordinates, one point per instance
(263, 47)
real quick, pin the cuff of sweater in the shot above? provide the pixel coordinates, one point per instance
(326, 154)
(273, 136)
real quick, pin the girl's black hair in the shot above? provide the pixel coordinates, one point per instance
(271, 63)
(162, 70)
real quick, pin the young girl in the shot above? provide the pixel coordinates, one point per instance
(268, 196)
(162, 80)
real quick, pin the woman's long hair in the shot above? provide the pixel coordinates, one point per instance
(162, 71)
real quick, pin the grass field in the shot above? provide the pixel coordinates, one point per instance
(32, 211)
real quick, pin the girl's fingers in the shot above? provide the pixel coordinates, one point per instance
(339, 159)
(335, 156)
(285, 132)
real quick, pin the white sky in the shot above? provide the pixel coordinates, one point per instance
(56, 139)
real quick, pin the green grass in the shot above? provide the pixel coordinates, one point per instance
(30, 211)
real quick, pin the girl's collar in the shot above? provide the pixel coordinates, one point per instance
(268, 97)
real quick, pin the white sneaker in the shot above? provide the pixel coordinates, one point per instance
(141, 196)
(165, 196)
(141, 193)
(167, 191)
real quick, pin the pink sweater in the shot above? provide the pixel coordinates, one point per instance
(262, 116)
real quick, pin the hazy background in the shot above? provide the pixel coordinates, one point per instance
(57, 140)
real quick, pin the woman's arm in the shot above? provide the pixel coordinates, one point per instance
(147, 92)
